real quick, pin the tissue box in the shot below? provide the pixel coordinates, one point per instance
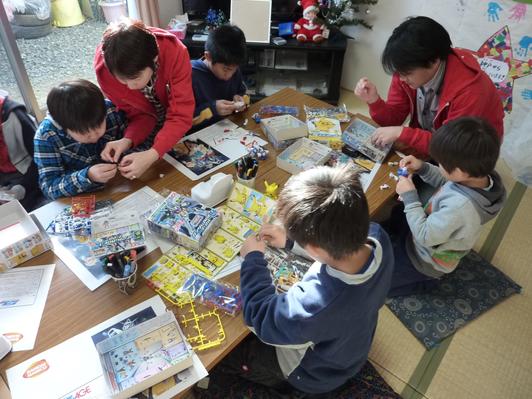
(21, 236)
(184, 221)
(282, 130)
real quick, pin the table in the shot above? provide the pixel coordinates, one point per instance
(72, 308)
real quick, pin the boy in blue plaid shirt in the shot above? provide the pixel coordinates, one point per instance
(70, 139)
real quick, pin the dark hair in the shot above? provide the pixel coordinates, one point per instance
(416, 43)
(129, 47)
(77, 105)
(468, 143)
(326, 207)
(227, 45)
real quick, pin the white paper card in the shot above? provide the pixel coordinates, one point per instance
(23, 293)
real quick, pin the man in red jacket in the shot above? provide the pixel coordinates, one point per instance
(146, 73)
(432, 84)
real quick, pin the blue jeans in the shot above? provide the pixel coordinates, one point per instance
(406, 280)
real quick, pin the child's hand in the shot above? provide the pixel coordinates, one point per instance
(135, 164)
(114, 149)
(386, 135)
(239, 103)
(102, 172)
(404, 185)
(366, 91)
(252, 243)
(273, 234)
(224, 107)
(411, 163)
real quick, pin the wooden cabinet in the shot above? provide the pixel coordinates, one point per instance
(313, 69)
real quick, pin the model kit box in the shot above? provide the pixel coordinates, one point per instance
(184, 221)
(21, 236)
(144, 355)
(282, 130)
(325, 130)
(358, 136)
(304, 154)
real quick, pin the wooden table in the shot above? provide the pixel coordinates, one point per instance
(72, 308)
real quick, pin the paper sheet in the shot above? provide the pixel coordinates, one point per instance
(72, 369)
(225, 138)
(23, 293)
(76, 255)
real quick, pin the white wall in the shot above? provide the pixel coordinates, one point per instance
(362, 57)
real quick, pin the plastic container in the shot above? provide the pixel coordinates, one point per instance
(113, 11)
(66, 13)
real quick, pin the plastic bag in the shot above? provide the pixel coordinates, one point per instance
(39, 8)
(516, 148)
(339, 112)
(214, 294)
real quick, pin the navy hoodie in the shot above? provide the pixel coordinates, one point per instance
(324, 325)
(208, 88)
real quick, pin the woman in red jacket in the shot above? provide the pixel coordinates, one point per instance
(146, 73)
(432, 84)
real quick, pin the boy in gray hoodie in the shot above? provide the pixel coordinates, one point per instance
(469, 193)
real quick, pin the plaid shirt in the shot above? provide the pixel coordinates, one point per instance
(64, 163)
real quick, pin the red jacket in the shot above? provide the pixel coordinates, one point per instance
(466, 91)
(173, 87)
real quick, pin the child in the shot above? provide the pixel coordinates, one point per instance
(318, 334)
(470, 193)
(70, 139)
(216, 79)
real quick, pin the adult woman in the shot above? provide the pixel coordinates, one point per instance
(146, 73)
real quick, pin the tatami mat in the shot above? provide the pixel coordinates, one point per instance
(492, 357)
(395, 349)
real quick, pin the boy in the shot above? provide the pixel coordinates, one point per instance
(470, 193)
(318, 334)
(70, 139)
(432, 83)
(216, 78)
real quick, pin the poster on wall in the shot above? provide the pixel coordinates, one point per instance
(499, 34)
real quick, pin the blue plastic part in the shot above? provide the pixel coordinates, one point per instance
(402, 172)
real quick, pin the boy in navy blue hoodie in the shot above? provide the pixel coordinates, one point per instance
(317, 335)
(216, 78)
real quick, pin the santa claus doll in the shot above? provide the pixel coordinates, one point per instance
(306, 29)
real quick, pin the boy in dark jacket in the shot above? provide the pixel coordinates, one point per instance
(216, 78)
(318, 334)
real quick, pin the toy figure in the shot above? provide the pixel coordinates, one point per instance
(307, 29)
(271, 189)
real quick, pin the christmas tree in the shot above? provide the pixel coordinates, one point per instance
(338, 13)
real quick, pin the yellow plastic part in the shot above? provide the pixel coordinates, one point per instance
(66, 13)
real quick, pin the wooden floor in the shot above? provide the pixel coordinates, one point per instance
(491, 358)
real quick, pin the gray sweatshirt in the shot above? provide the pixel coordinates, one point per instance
(447, 227)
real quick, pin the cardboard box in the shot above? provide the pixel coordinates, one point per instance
(304, 154)
(21, 236)
(282, 130)
(184, 221)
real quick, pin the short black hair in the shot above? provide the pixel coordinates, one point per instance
(468, 143)
(416, 43)
(326, 207)
(227, 45)
(77, 105)
(128, 48)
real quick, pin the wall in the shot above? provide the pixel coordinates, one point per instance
(363, 54)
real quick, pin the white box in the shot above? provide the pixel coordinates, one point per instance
(21, 236)
(304, 154)
(282, 128)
